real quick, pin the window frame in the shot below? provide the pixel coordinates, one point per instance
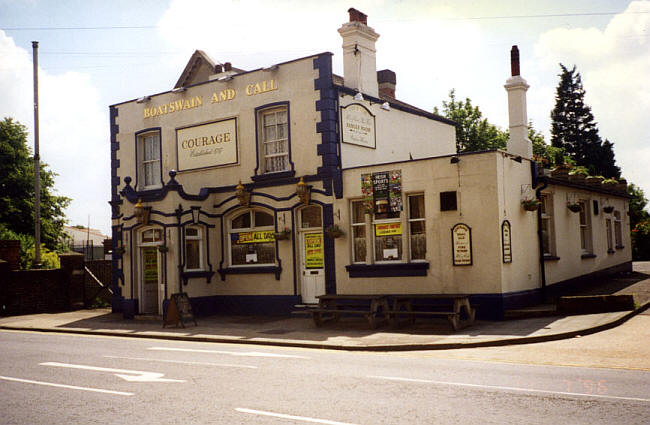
(609, 229)
(586, 240)
(618, 230)
(260, 112)
(251, 228)
(142, 162)
(199, 238)
(410, 219)
(363, 225)
(547, 210)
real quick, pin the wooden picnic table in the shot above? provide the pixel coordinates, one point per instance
(374, 307)
(403, 306)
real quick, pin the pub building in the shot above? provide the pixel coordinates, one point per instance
(255, 191)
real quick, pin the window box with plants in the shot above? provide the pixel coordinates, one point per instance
(594, 180)
(530, 204)
(609, 184)
(578, 175)
(561, 171)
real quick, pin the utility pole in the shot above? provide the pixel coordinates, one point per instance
(37, 167)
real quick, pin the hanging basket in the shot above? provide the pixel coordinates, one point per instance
(162, 249)
(574, 207)
(283, 235)
(608, 209)
(334, 231)
(530, 204)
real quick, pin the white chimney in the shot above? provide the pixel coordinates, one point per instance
(518, 143)
(359, 54)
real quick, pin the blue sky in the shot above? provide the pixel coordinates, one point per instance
(96, 53)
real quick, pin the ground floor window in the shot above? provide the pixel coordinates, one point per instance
(618, 234)
(585, 227)
(252, 240)
(193, 249)
(547, 224)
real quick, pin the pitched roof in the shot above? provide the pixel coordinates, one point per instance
(197, 69)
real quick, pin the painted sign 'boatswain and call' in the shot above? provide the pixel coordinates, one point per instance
(217, 97)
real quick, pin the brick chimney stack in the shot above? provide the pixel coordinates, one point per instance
(516, 86)
(386, 80)
(359, 54)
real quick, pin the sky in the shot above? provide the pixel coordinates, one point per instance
(93, 54)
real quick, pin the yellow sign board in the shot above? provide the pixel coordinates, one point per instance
(387, 229)
(150, 260)
(314, 256)
(255, 237)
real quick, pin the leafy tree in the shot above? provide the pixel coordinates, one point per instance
(573, 128)
(639, 223)
(17, 188)
(548, 156)
(473, 133)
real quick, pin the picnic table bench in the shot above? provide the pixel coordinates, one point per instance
(331, 307)
(403, 305)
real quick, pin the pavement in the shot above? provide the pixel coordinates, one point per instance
(354, 334)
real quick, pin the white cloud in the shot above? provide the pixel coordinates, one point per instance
(614, 64)
(73, 130)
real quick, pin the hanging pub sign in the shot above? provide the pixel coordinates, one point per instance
(207, 145)
(506, 242)
(382, 191)
(358, 126)
(461, 244)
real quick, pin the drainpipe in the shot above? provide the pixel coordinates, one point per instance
(540, 241)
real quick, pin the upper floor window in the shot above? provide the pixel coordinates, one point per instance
(193, 249)
(252, 240)
(149, 160)
(274, 140)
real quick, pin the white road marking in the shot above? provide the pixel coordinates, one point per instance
(497, 387)
(231, 353)
(182, 362)
(295, 418)
(71, 387)
(139, 376)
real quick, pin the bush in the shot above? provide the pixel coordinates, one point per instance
(49, 259)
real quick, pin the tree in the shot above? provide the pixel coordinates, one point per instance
(573, 128)
(17, 188)
(639, 223)
(473, 133)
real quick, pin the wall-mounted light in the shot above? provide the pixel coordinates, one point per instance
(358, 96)
(143, 99)
(225, 78)
(271, 68)
(517, 159)
(454, 160)
(242, 195)
(141, 213)
(385, 106)
(178, 90)
(302, 190)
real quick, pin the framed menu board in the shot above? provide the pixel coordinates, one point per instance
(461, 244)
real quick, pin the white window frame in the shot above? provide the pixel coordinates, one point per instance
(155, 241)
(586, 242)
(252, 228)
(547, 220)
(264, 142)
(354, 225)
(154, 162)
(609, 237)
(618, 230)
(199, 239)
(410, 220)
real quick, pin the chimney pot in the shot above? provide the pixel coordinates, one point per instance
(514, 61)
(218, 69)
(357, 16)
(227, 66)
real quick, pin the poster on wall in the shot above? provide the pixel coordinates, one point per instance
(314, 254)
(358, 126)
(380, 191)
(387, 229)
(207, 145)
(506, 245)
(395, 191)
(253, 237)
(366, 192)
(461, 244)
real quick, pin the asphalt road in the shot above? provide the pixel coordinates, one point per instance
(71, 379)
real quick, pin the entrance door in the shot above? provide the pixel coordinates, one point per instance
(313, 263)
(149, 280)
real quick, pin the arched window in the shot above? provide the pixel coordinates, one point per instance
(251, 238)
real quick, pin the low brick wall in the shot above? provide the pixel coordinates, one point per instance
(42, 291)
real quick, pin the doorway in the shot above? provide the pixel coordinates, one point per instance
(312, 253)
(150, 281)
